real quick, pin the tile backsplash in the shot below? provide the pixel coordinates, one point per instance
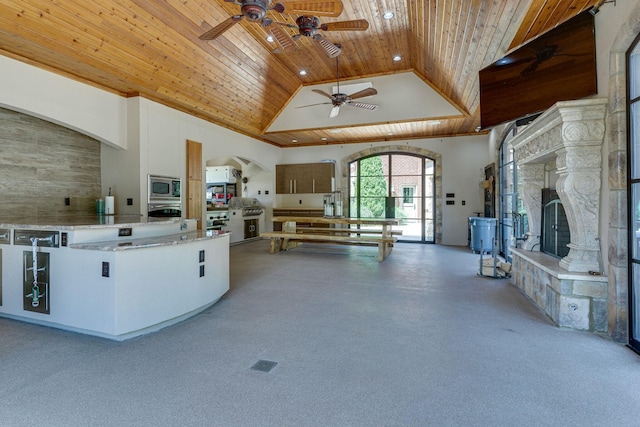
(42, 164)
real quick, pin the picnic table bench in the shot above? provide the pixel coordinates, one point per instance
(383, 237)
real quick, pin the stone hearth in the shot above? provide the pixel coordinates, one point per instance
(569, 134)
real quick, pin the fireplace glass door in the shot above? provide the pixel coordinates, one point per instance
(555, 227)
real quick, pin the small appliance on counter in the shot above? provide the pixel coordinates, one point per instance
(332, 204)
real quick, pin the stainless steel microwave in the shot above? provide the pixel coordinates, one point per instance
(164, 188)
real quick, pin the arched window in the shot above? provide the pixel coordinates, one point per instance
(395, 185)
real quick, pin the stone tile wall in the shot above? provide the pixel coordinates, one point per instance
(41, 164)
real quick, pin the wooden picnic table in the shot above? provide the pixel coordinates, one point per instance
(339, 232)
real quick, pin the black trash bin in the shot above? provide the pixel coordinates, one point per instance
(483, 234)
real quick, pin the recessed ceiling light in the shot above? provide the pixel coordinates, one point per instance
(389, 133)
(336, 131)
(433, 122)
(303, 72)
(388, 15)
(294, 140)
(324, 138)
(397, 58)
(270, 39)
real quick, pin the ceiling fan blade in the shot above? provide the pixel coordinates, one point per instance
(221, 28)
(334, 111)
(313, 105)
(314, 7)
(355, 25)
(363, 105)
(323, 93)
(364, 92)
(283, 39)
(331, 49)
(278, 7)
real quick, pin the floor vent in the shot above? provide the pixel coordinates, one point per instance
(264, 365)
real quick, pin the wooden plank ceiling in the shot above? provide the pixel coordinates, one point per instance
(152, 49)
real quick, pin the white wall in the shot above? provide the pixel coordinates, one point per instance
(48, 96)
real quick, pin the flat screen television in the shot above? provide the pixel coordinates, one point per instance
(559, 65)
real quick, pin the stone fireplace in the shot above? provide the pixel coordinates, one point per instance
(570, 135)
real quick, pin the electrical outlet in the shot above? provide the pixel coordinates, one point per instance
(105, 269)
(67, 201)
(266, 192)
(125, 232)
(258, 192)
(129, 201)
(300, 201)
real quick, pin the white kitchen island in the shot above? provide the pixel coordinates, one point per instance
(115, 278)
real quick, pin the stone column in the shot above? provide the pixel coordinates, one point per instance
(579, 169)
(530, 184)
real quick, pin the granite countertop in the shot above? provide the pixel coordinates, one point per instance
(150, 242)
(73, 222)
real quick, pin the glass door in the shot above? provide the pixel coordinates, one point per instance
(633, 196)
(512, 215)
(395, 185)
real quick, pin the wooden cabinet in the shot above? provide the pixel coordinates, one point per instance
(304, 178)
(194, 182)
(323, 175)
(194, 160)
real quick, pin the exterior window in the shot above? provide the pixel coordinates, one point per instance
(633, 189)
(407, 195)
(512, 216)
(395, 185)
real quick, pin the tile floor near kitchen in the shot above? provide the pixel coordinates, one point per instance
(328, 336)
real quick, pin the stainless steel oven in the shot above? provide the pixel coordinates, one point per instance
(164, 210)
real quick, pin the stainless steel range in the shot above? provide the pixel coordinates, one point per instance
(217, 219)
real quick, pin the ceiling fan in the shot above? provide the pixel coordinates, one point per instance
(339, 99)
(308, 26)
(256, 11)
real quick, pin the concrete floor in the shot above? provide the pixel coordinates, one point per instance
(417, 340)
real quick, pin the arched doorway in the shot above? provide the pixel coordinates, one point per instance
(396, 184)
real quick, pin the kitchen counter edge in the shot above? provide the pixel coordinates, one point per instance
(150, 242)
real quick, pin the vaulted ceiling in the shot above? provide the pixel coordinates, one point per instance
(152, 49)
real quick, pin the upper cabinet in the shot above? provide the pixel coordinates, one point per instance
(305, 178)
